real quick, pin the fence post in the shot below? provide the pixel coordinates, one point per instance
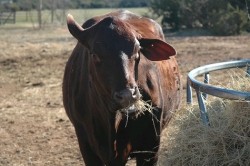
(14, 17)
(39, 10)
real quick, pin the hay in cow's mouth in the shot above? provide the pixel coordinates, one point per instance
(134, 110)
(137, 108)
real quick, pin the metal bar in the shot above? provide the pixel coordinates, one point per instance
(189, 93)
(248, 70)
(203, 109)
(206, 81)
(216, 91)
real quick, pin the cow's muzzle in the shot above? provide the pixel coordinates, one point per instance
(127, 97)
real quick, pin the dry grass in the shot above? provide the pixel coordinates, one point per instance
(226, 142)
(135, 110)
(239, 81)
(138, 108)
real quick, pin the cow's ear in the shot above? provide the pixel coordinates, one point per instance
(156, 50)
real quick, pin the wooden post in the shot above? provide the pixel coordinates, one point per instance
(53, 8)
(14, 17)
(27, 15)
(39, 8)
(63, 11)
(0, 17)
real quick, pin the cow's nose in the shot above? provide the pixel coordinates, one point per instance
(127, 96)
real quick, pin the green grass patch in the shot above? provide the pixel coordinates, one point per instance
(84, 14)
(30, 18)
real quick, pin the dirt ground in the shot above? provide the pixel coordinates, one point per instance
(34, 129)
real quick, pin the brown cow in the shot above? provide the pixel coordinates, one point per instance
(120, 58)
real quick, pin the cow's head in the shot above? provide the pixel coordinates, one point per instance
(114, 50)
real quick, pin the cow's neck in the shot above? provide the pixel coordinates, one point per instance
(103, 120)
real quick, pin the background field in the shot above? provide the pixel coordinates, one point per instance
(34, 129)
(26, 19)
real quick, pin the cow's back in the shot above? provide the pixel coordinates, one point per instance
(147, 28)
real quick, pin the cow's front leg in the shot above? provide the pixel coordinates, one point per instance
(122, 147)
(146, 159)
(123, 150)
(90, 158)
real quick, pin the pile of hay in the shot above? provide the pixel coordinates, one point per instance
(186, 141)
